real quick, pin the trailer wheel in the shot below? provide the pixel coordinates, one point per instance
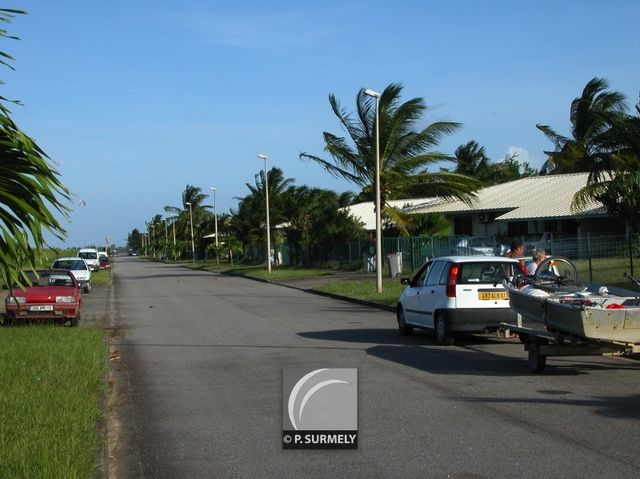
(537, 361)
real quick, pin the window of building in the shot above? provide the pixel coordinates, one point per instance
(463, 225)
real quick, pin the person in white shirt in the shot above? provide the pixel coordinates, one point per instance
(538, 255)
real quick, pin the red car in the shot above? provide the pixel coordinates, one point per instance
(104, 262)
(54, 295)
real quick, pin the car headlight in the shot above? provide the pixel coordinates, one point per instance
(16, 300)
(65, 299)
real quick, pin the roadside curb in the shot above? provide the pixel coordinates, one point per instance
(340, 297)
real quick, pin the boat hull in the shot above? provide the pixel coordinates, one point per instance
(577, 318)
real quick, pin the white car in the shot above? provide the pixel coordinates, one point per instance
(79, 268)
(474, 246)
(90, 255)
(457, 294)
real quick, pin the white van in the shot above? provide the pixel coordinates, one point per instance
(90, 256)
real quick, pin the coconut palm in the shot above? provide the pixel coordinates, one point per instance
(590, 146)
(471, 160)
(30, 192)
(248, 222)
(194, 196)
(619, 191)
(405, 153)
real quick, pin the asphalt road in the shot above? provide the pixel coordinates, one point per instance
(205, 355)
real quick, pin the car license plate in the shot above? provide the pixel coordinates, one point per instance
(43, 307)
(492, 296)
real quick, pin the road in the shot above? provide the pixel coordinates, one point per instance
(205, 355)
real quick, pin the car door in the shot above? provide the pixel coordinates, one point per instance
(411, 295)
(431, 291)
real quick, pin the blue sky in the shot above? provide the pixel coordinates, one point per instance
(136, 99)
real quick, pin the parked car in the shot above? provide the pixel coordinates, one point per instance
(133, 252)
(474, 246)
(559, 244)
(90, 255)
(457, 294)
(53, 295)
(79, 268)
(104, 262)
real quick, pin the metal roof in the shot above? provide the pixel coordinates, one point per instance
(534, 197)
(366, 214)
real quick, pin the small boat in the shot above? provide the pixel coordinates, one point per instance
(554, 300)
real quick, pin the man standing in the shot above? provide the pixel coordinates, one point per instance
(516, 250)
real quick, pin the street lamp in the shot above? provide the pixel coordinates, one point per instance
(193, 245)
(215, 216)
(376, 95)
(166, 238)
(173, 219)
(266, 194)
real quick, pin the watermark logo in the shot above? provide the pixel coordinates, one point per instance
(320, 408)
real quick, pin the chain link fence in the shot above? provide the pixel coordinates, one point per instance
(598, 259)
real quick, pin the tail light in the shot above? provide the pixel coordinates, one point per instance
(453, 279)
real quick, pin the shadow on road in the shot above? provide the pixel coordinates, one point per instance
(625, 407)
(420, 351)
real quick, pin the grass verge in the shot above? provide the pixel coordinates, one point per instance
(366, 290)
(260, 272)
(101, 277)
(279, 274)
(52, 379)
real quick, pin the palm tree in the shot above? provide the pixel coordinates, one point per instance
(30, 192)
(471, 160)
(405, 153)
(194, 196)
(248, 222)
(619, 191)
(278, 185)
(590, 146)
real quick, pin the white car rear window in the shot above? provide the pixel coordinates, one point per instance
(484, 273)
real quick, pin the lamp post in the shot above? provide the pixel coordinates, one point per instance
(266, 194)
(215, 218)
(166, 237)
(174, 220)
(376, 95)
(193, 245)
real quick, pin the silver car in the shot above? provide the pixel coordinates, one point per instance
(78, 268)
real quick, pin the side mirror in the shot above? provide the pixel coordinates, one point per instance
(405, 280)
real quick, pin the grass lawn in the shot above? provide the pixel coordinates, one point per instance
(101, 277)
(52, 380)
(366, 290)
(260, 272)
(278, 274)
(607, 271)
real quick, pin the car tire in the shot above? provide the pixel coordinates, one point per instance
(76, 320)
(442, 334)
(87, 289)
(404, 329)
